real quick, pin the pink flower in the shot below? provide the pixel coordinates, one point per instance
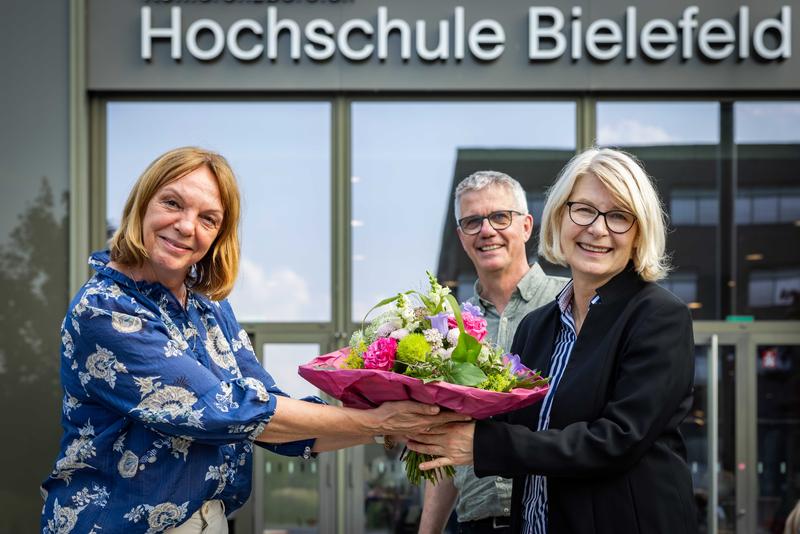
(380, 355)
(474, 326)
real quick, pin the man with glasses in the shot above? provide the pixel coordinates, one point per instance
(493, 226)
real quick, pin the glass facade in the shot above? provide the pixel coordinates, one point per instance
(726, 179)
(280, 152)
(767, 209)
(678, 143)
(407, 158)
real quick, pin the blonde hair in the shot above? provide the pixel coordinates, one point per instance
(216, 273)
(630, 187)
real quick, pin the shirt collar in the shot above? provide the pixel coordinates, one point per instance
(526, 287)
(99, 262)
(564, 298)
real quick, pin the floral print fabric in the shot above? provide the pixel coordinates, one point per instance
(161, 406)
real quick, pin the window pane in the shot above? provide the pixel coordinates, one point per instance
(767, 138)
(678, 144)
(407, 159)
(280, 153)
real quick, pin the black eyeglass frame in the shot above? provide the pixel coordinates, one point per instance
(489, 218)
(598, 214)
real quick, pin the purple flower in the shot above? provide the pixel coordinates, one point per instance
(439, 322)
(467, 307)
(512, 360)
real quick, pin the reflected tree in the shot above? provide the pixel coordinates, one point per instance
(33, 287)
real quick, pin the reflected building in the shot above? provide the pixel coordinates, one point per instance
(347, 169)
(755, 244)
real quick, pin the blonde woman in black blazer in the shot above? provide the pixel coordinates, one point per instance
(602, 453)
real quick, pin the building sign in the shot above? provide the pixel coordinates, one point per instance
(354, 45)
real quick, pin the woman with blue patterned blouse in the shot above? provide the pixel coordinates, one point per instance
(163, 394)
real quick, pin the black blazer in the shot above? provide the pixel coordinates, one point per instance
(614, 458)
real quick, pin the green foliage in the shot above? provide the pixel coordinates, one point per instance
(502, 382)
(354, 361)
(467, 374)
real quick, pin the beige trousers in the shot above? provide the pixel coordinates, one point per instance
(209, 519)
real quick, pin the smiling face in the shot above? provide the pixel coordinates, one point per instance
(180, 224)
(495, 252)
(595, 254)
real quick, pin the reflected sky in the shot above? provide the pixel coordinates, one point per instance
(767, 122)
(657, 123)
(280, 153)
(404, 156)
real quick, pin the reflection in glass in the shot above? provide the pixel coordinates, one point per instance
(281, 155)
(778, 434)
(678, 143)
(291, 485)
(407, 159)
(767, 136)
(391, 503)
(695, 432)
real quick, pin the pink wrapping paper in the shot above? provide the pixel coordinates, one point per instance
(367, 388)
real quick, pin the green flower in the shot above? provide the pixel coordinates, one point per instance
(413, 348)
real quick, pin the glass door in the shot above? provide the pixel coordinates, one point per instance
(292, 495)
(776, 360)
(710, 431)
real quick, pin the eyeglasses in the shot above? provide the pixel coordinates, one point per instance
(617, 221)
(499, 220)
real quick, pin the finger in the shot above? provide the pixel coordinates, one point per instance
(442, 461)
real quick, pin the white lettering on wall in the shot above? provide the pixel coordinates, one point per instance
(686, 35)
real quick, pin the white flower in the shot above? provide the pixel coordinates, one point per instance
(399, 334)
(128, 465)
(64, 519)
(452, 336)
(180, 446)
(220, 351)
(124, 323)
(444, 354)
(433, 337)
(147, 384)
(257, 386)
(168, 402)
(103, 365)
(485, 355)
(70, 403)
(384, 330)
(224, 400)
(69, 346)
(165, 515)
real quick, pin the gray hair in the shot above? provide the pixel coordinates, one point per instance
(482, 179)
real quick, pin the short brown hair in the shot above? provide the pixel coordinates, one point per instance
(216, 272)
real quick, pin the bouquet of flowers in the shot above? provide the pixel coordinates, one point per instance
(425, 347)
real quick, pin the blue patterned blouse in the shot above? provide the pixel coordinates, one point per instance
(161, 406)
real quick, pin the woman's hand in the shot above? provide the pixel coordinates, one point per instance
(409, 417)
(452, 444)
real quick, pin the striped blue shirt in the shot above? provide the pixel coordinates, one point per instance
(534, 500)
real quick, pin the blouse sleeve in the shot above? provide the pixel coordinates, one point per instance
(124, 358)
(250, 366)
